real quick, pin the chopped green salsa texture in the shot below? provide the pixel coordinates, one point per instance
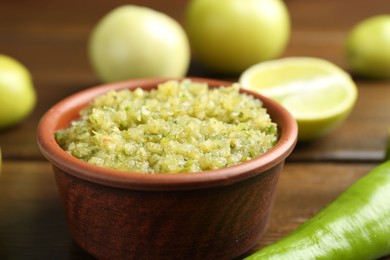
(182, 126)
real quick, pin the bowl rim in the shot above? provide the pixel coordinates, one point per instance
(50, 122)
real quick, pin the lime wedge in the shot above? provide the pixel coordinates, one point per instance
(319, 94)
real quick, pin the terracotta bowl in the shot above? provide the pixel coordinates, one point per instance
(218, 214)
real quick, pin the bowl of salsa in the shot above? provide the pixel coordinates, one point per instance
(174, 168)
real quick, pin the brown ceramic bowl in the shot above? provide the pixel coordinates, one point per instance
(218, 214)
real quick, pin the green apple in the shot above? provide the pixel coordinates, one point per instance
(17, 93)
(368, 47)
(231, 35)
(136, 42)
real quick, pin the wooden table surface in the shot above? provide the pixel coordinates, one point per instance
(50, 38)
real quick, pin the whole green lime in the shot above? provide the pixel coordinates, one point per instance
(230, 35)
(138, 42)
(368, 47)
(17, 93)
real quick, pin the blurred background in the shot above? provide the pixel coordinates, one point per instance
(50, 38)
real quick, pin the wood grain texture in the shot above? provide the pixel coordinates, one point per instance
(32, 221)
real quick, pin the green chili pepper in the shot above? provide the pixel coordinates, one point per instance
(354, 226)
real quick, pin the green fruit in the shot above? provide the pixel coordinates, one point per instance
(319, 94)
(17, 94)
(138, 42)
(368, 47)
(231, 35)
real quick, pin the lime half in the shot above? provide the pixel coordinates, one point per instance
(319, 94)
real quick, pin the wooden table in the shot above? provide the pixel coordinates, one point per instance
(50, 38)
